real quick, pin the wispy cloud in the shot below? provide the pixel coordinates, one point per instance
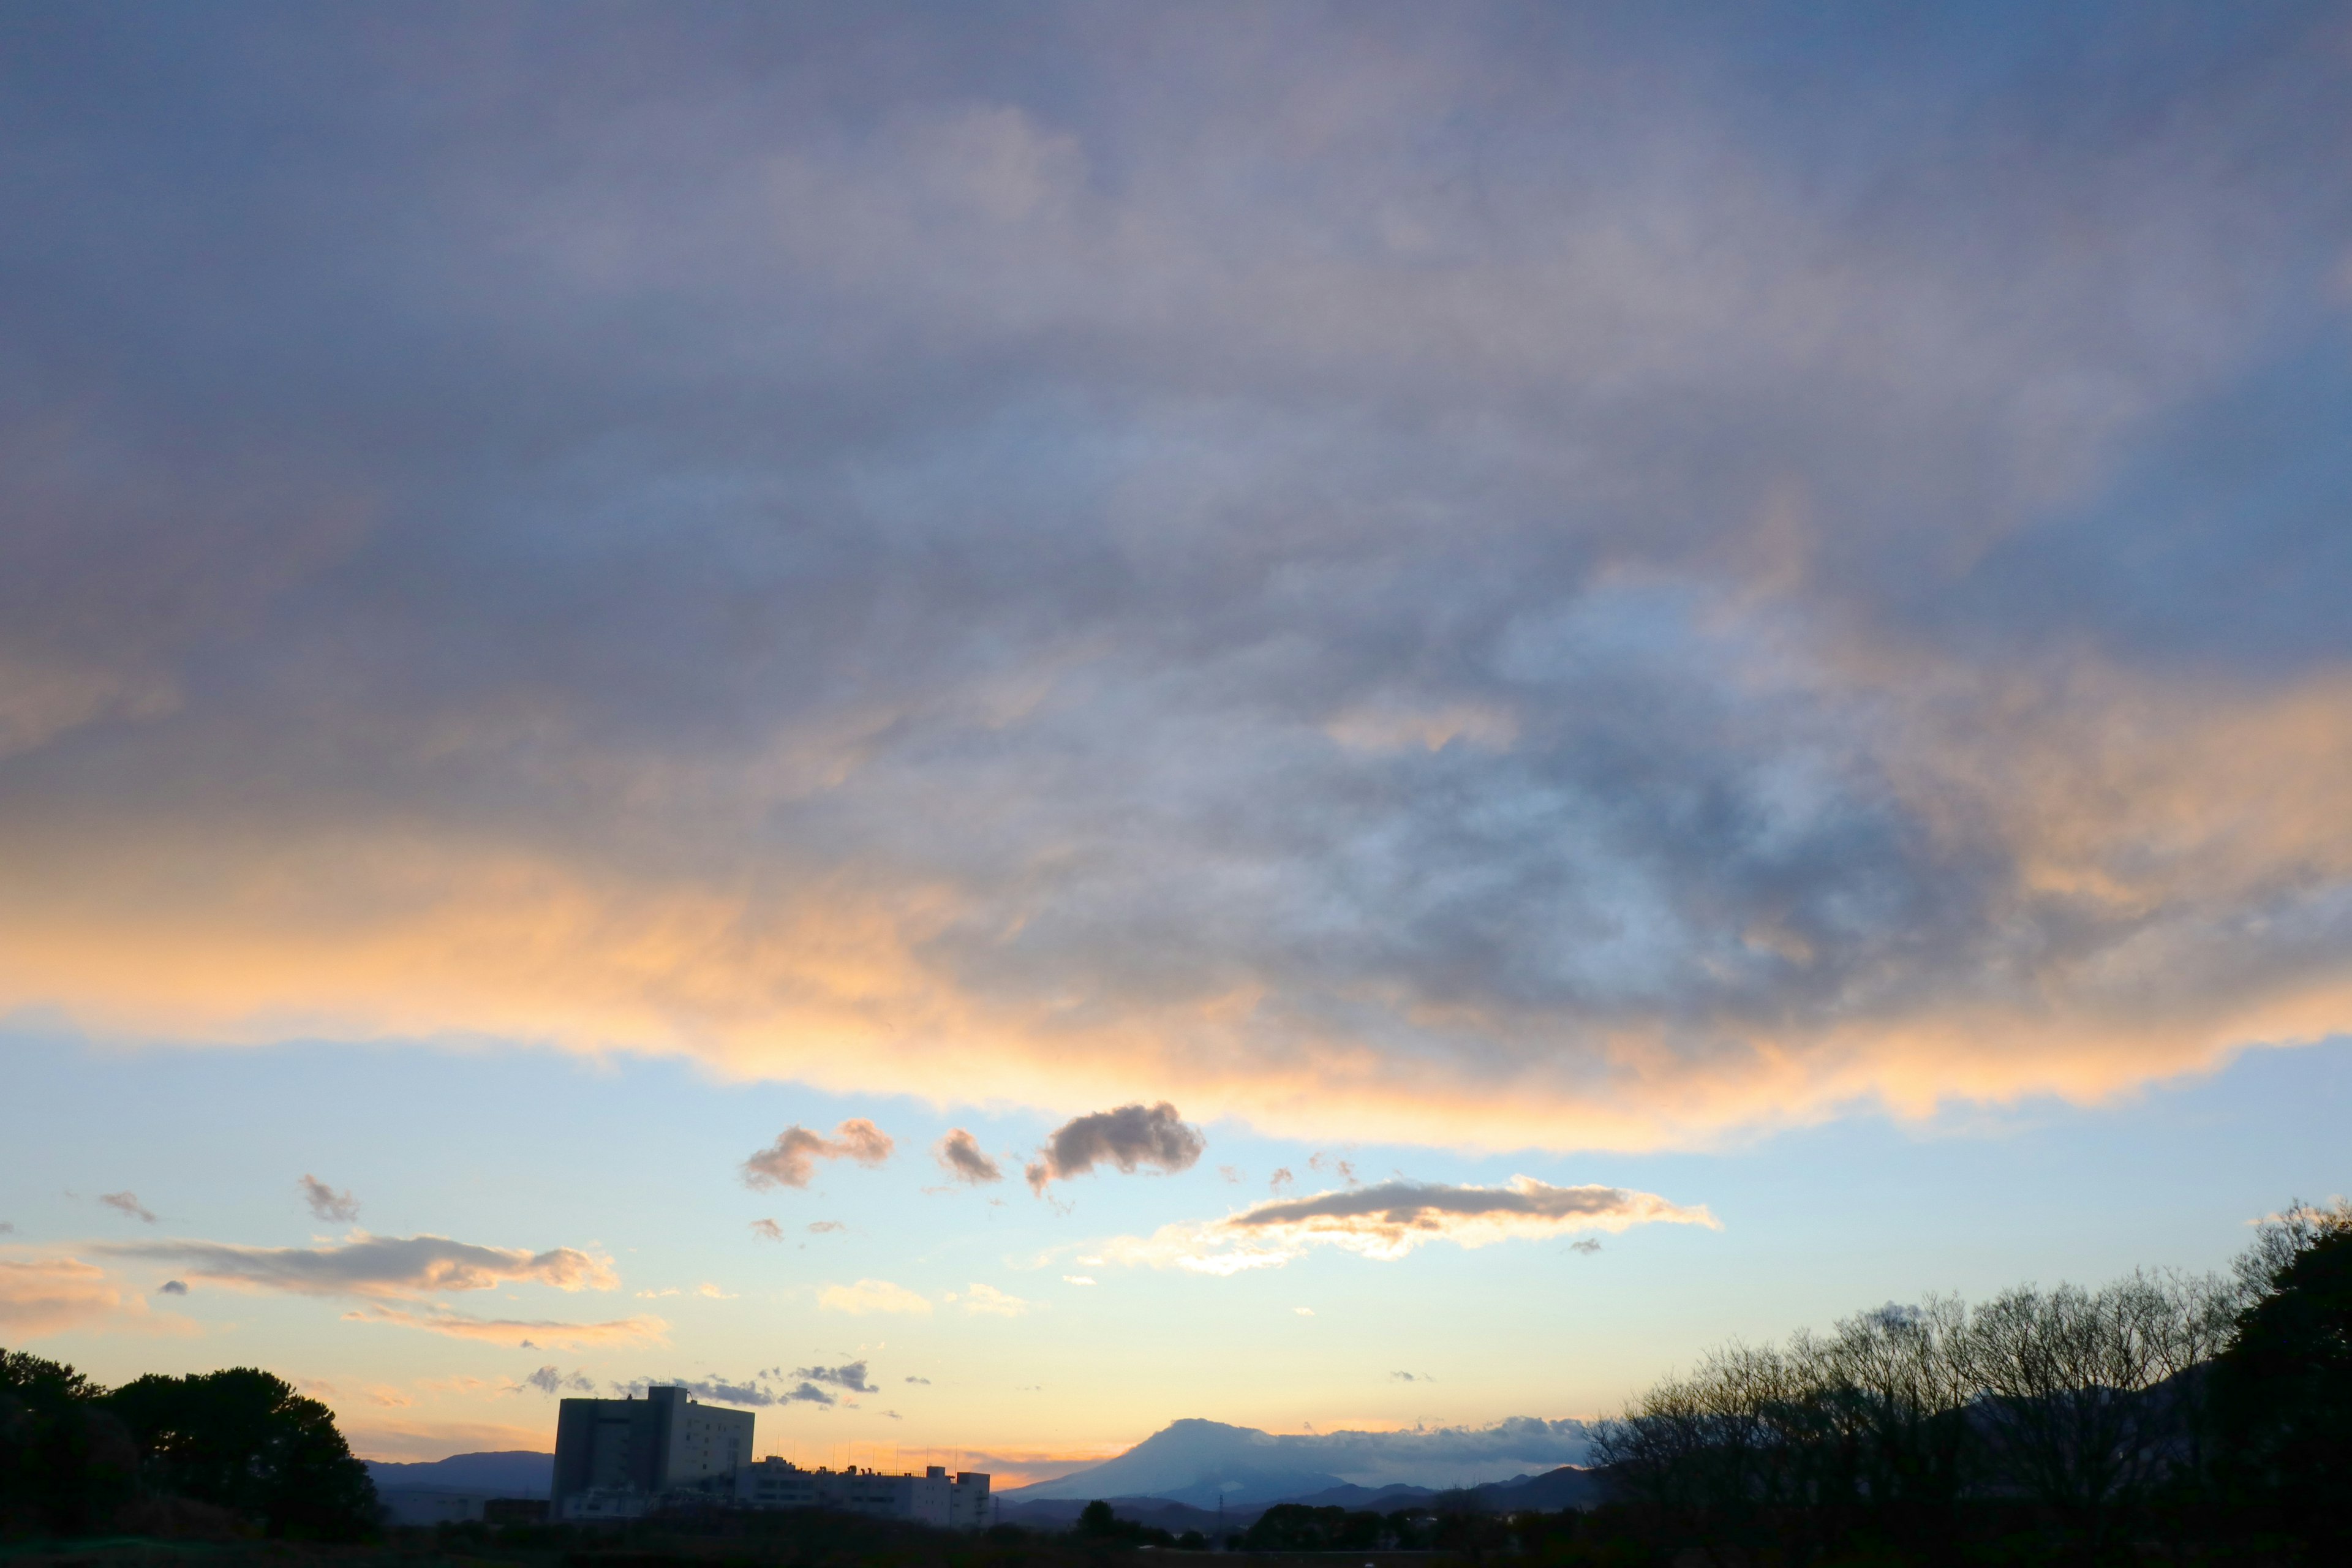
(1127, 1138)
(375, 1266)
(532, 1333)
(40, 1297)
(767, 1230)
(791, 1159)
(127, 1203)
(328, 1203)
(962, 1157)
(552, 1379)
(1393, 1218)
(871, 1296)
(987, 1300)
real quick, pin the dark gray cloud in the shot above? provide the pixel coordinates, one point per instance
(172, 1287)
(1588, 1247)
(791, 1159)
(850, 1376)
(374, 1266)
(127, 1203)
(962, 1157)
(921, 1380)
(1127, 1138)
(1393, 1218)
(328, 1203)
(1547, 580)
(553, 1380)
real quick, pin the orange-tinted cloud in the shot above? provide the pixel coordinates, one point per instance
(45, 1296)
(537, 1333)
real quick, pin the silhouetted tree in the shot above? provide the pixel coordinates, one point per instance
(64, 1464)
(245, 1440)
(2284, 1387)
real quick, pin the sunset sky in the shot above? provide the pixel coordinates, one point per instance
(988, 723)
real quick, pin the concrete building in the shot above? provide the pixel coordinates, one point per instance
(618, 1459)
(950, 1502)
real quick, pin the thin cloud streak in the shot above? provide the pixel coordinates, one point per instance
(374, 1266)
(534, 1333)
(1389, 1221)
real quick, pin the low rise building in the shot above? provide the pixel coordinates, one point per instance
(958, 1501)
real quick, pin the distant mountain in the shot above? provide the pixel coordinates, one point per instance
(1567, 1486)
(1191, 1461)
(1201, 1462)
(510, 1473)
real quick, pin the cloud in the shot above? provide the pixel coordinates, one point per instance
(6, 1228)
(871, 1296)
(767, 1230)
(987, 1300)
(328, 1203)
(1076, 1280)
(1566, 630)
(1411, 1377)
(1393, 1218)
(534, 1333)
(1588, 1247)
(850, 1376)
(1129, 1137)
(553, 1380)
(376, 1265)
(1303, 1311)
(40, 1297)
(825, 1227)
(127, 1203)
(172, 1287)
(713, 1292)
(960, 1156)
(790, 1160)
(921, 1380)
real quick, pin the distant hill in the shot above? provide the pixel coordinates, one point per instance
(513, 1472)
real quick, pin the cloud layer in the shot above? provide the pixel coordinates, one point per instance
(1542, 582)
(1393, 1218)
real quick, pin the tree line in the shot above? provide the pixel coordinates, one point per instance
(2205, 1418)
(229, 1451)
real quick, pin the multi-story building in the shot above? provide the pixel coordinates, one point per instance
(952, 1503)
(616, 1458)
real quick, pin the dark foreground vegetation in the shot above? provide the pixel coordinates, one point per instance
(220, 1454)
(2162, 1419)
